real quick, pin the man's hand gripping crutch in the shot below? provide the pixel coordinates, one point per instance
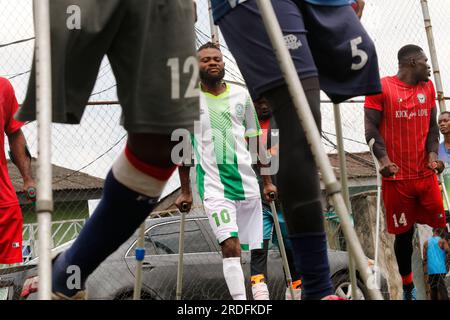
(270, 193)
(375, 269)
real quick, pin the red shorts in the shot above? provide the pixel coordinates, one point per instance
(413, 201)
(11, 222)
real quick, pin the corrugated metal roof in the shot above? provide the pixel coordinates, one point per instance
(359, 165)
(63, 178)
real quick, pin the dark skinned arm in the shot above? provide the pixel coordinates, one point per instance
(372, 120)
(443, 244)
(432, 144)
(17, 144)
(263, 162)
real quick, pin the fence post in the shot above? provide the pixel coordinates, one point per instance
(213, 27)
(433, 55)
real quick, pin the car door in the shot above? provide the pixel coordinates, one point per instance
(161, 261)
(245, 261)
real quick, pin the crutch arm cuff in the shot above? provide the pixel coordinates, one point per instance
(44, 206)
(333, 188)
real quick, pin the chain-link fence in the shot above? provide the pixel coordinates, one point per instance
(82, 154)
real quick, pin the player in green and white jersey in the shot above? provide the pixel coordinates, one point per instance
(226, 181)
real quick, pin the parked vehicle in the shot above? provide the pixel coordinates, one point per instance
(203, 275)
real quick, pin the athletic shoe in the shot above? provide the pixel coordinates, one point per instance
(409, 295)
(333, 297)
(297, 294)
(80, 295)
(260, 291)
(31, 286)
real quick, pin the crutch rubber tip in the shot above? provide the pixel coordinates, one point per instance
(184, 207)
(140, 254)
(272, 195)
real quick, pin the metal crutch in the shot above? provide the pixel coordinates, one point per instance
(377, 230)
(287, 271)
(44, 203)
(140, 255)
(184, 209)
(352, 294)
(313, 136)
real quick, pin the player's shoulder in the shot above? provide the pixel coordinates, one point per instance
(5, 83)
(388, 80)
(239, 92)
(6, 87)
(387, 83)
(236, 88)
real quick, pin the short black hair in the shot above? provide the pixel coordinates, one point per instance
(408, 51)
(445, 112)
(208, 45)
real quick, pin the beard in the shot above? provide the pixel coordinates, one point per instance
(425, 78)
(211, 80)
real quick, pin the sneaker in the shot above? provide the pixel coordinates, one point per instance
(31, 286)
(260, 291)
(409, 295)
(80, 295)
(333, 297)
(297, 294)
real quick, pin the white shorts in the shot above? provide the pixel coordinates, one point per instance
(236, 218)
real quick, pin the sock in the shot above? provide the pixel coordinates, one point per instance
(257, 278)
(297, 284)
(408, 283)
(311, 261)
(260, 290)
(407, 279)
(139, 176)
(234, 277)
(408, 287)
(408, 290)
(117, 216)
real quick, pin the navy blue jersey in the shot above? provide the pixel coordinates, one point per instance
(324, 41)
(222, 7)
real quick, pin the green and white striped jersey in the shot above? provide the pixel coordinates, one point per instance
(223, 161)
